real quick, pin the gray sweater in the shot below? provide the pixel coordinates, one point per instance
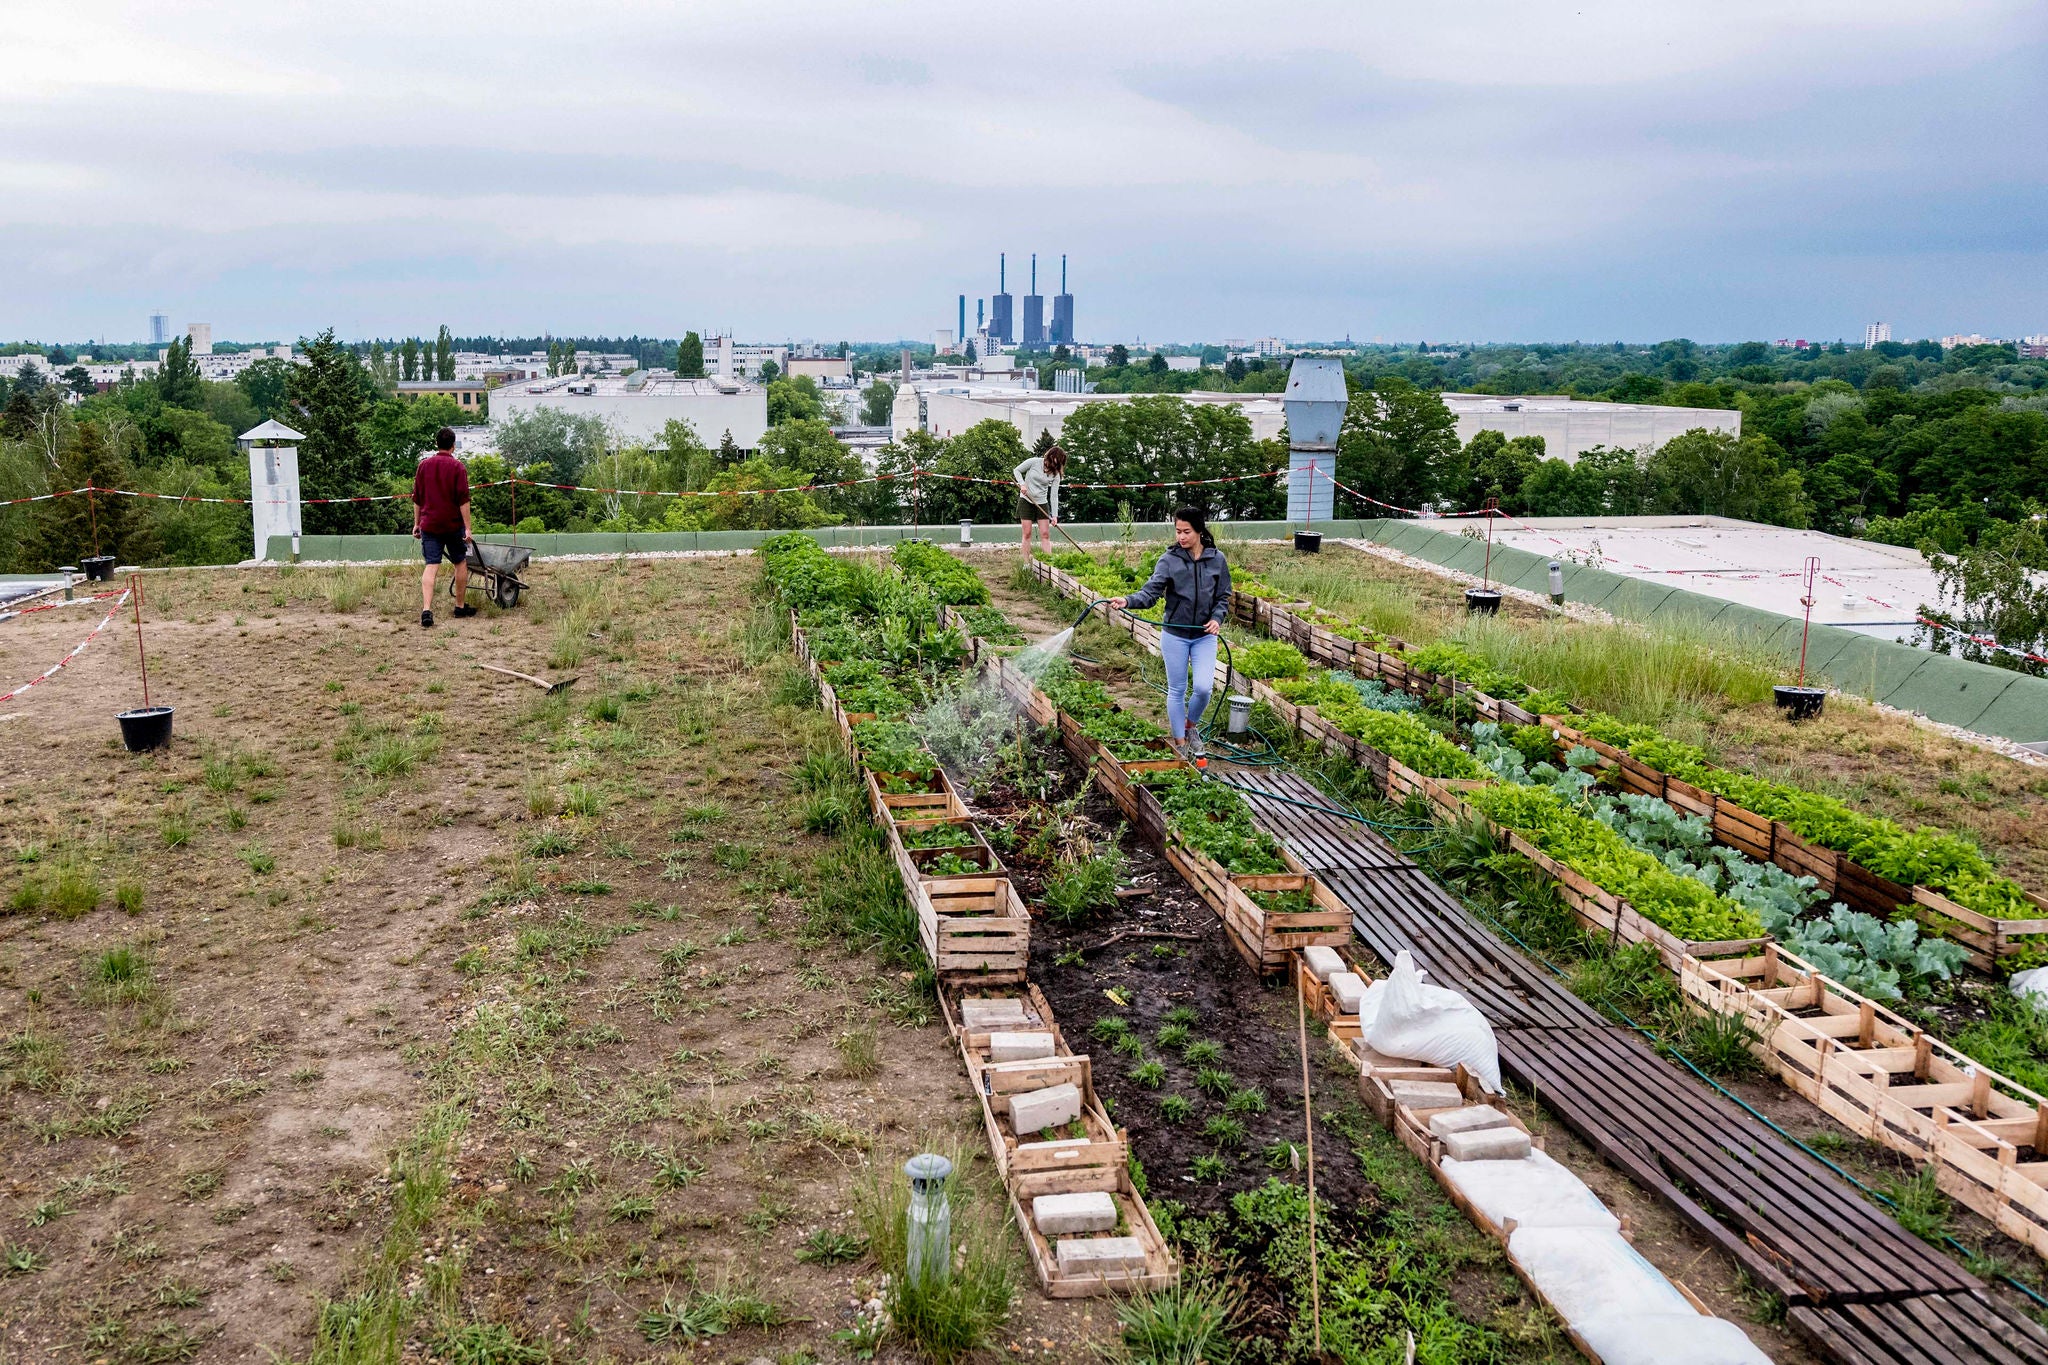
(1042, 488)
(1197, 590)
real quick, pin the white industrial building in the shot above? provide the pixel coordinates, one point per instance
(1862, 586)
(636, 407)
(952, 409)
(1571, 426)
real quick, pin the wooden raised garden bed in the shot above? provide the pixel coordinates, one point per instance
(976, 930)
(1270, 938)
(1841, 877)
(1870, 1069)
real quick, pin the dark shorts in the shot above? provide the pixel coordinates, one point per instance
(454, 545)
(1027, 510)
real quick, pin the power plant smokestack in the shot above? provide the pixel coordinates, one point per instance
(961, 335)
(1034, 311)
(1063, 310)
(999, 320)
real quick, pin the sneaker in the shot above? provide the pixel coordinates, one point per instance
(426, 618)
(1195, 745)
(465, 611)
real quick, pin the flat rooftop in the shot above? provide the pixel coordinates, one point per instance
(638, 383)
(1474, 404)
(1863, 586)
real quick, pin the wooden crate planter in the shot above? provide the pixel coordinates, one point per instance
(974, 1046)
(1132, 797)
(915, 862)
(1161, 1269)
(1891, 1083)
(1273, 938)
(1031, 1163)
(974, 929)
(892, 808)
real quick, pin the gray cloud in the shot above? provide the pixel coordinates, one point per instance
(1610, 170)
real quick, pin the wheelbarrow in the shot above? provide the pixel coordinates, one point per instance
(498, 568)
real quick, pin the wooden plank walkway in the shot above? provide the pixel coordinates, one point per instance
(1861, 1288)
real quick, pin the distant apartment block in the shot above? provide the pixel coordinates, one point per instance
(1269, 346)
(200, 336)
(1951, 342)
(1876, 332)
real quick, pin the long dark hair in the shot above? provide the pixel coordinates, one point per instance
(1197, 523)
(1055, 461)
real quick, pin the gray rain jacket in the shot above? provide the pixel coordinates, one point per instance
(1197, 590)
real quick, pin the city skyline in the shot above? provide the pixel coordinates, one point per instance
(1722, 174)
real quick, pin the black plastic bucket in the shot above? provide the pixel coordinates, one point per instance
(147, 727)
(1799, 703)
(1309, 542)
(98, 568)
(1485, 601)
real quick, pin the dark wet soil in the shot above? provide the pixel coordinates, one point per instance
(1150, 955)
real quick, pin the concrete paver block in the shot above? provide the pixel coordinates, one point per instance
(1324, 962)
(1110, 1257)
(1018, 1047)
(1034, 1111)
(1058, 1215)
(979, 1016)
(1488, 1144)
(1426, 1094)
(1349, 988)
(1470, 1119)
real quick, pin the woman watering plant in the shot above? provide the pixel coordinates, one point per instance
(1196, 582)
(1038, 493)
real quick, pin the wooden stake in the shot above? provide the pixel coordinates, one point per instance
(135, 586)
(1315, 1287)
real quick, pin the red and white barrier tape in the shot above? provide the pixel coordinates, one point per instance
(76, 650)
(52, 606)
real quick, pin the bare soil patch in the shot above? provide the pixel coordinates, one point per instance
(413, 939)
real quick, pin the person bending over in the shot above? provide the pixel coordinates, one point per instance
(440, 522)
(1196, 582)
(1038, 493)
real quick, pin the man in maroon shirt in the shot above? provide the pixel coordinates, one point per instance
(440, 522)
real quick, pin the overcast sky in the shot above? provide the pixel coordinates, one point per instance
(1498, 169)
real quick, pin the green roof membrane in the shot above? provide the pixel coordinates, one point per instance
(2019, 712)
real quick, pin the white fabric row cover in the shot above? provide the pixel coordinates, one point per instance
(1622, 1306)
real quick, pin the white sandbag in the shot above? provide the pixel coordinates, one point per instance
(1667, 1339)
(2031, 985)
(1431, 1024)
(1369, 1003)
(1587, 1272)
(1536, 1192)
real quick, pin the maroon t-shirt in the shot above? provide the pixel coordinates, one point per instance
(440, 486)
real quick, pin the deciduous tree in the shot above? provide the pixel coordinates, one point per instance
(690, 357)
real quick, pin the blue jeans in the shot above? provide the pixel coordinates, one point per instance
(1184, 657)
